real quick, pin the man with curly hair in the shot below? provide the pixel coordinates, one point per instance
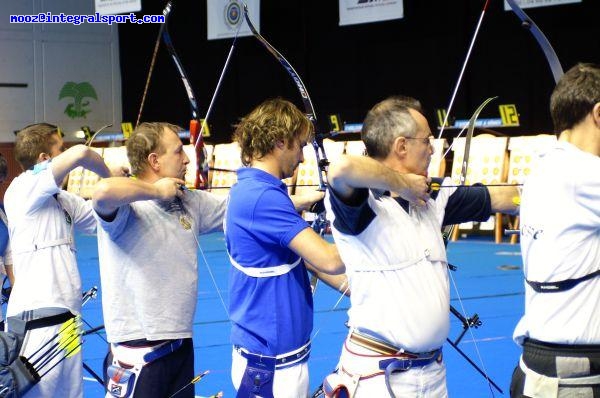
(271, 247)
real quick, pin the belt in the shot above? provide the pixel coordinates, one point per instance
(143, 355)
(373, 344)
(404, 360)
(575, 381)
(561, 348)
(283, 360)
(406, 363)
(38, 318)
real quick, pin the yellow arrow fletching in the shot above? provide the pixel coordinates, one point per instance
(69, 337)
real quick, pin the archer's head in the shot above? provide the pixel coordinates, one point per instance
(576, 98)
(155, 151)
(37, 143)
(273, 134)
(396, 133)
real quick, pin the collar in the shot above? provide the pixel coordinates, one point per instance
(247, 173)
(402, 202)
(38, 167)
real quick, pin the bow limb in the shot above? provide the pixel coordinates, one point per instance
(88, 143)
(212, 100)
(196, 138)
(152, 62)
(465, 162)
(469, 137)
(201, 161)
(309, 110)
(540, 37)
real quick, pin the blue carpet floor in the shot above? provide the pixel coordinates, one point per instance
(489, 279)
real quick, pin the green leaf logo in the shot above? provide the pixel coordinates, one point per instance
(78, 92)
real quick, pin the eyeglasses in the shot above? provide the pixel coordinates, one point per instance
(426, 141)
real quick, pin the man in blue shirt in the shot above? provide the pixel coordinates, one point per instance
(270, 299)
(6, 267)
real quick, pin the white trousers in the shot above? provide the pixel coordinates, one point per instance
(424, 382)
(289, 382)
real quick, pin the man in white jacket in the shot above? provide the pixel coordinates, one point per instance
(42, 219)
(395, 255)
(560, 245)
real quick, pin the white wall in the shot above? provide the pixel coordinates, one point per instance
(45, 57)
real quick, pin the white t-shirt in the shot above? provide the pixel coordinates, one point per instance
(41, 215)
(560, 239)
(149, 267)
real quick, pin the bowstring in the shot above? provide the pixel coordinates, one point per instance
(464, 67)
(212, 276)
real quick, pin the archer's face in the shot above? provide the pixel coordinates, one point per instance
(173, 162)
(293, 155)
(420, 149)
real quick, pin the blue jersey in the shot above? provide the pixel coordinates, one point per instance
(3, 233)
(270, 315)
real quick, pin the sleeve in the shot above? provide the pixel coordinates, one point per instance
(274, 219)
(8, 255)
(211, 212)
(353, 217)
(114, 227)
(40, 186)
(469, 203)
(587, 194)
(80, 210)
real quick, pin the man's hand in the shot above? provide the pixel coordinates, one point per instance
(119, 171)
(416, 189)
(169, 188)
(306, 200)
